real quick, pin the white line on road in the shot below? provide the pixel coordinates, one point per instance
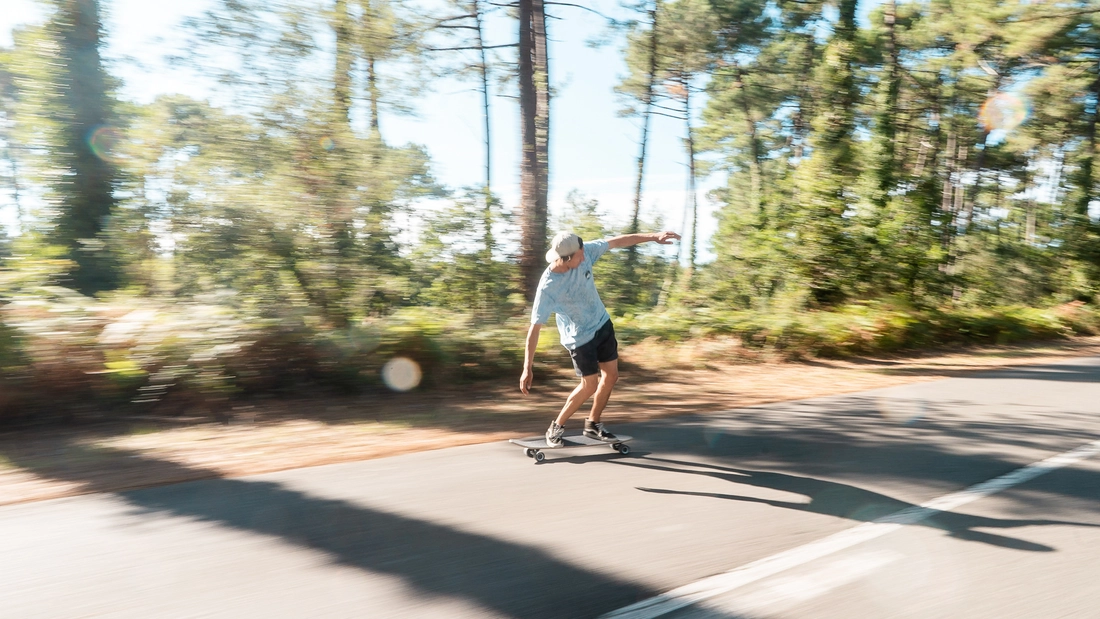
(786, 592)
(722, 583)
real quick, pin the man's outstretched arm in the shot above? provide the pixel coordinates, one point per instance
(628, 240)
(529, 358)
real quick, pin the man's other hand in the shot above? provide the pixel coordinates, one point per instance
(526, 380)
(666, 238)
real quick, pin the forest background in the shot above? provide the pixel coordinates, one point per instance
(894, 175)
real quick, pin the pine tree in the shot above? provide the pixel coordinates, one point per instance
(829, 245)
(82, 106)
(639, 86)
(534, 103)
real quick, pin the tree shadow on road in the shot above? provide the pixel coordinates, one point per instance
(850, 502)
(851, 437)
(510, 579)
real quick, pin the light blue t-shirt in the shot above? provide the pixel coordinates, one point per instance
(572, 296)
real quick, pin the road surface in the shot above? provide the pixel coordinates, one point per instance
(975, 497)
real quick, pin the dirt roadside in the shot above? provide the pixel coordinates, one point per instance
(656, 381)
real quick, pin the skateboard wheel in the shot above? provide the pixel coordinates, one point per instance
(616, 446)
(539, 456)
(530, 452)
(624, 449)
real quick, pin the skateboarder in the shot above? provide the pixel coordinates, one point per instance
(568, 290)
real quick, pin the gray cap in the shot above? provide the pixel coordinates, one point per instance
(564, 244)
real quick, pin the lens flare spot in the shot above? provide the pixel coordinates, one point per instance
(903, 411)
(328, 143)
(1003, 111)
(105, 142)
(401, 374)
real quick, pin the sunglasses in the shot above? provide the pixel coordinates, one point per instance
(579, 248)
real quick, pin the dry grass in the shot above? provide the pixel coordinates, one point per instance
(657, 380)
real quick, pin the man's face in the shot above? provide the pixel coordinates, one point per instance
(575, 260)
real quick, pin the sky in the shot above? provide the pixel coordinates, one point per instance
(593, 149)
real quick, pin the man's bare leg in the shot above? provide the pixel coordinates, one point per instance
(609, 375)
(582, 392)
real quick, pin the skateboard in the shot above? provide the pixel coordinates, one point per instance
(533, 445)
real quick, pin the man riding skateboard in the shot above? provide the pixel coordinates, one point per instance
(568, 290)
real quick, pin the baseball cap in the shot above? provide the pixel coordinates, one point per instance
(564, 244)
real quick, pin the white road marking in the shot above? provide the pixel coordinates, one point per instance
(784, 593)
(769, 566)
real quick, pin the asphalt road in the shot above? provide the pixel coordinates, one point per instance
(786, 510)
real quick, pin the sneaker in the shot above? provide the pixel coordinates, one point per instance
(597, 431)
(554, 434)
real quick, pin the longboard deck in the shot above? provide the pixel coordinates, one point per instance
(576, 440)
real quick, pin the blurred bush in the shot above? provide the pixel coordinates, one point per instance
(865, 328)
(63, 354)
(71, 355)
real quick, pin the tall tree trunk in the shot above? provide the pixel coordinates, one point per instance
(960, 169)
(337, 197)
(370, 55)
(341, 75)
(542, 110)
(646, 114)
(946, 201)
(487, 214)
(800, 133)
(929, 164)
(375, 95)
(1029, 225)
(692, 201)
(377, 231)
(1059, 166)
(1085, 178)
(533, 227)
(804, 111)
(756, 172)
(483, 69)
(339, 207)
(887, 117)
(15, 188)
(87, 191)
(970, 197)
(950, 170)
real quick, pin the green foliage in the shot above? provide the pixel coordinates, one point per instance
(862, 329)
(868, 163)
(10, 351)
(457, 261)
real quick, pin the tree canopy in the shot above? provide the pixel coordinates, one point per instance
(936, 152)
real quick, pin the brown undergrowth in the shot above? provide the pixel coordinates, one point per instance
(657, 379)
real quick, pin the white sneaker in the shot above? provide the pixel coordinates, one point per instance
(554, 434)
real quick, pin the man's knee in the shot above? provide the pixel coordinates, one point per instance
(609, 377)
(589, 384)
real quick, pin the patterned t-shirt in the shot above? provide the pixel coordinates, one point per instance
(572, 296)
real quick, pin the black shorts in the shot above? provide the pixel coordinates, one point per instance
(601, 349)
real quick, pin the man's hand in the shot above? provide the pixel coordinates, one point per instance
(525, 380)
(529, 358)
(666, 238)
